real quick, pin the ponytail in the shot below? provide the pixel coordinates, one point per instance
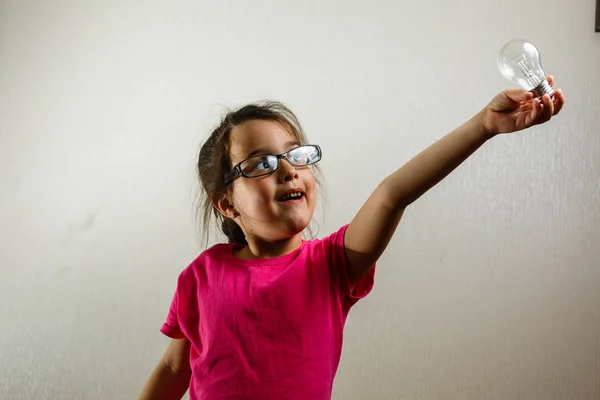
(233, 231)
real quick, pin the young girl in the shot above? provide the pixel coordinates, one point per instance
(262, 317)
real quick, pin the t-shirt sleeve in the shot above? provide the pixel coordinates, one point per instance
(183, 316)
(171, 327)
(339, 265)
(174, 326)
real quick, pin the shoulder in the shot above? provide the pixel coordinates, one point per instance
(335, 238)
(204, 262)
(330, 247)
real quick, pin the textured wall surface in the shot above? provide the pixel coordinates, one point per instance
(490, 288)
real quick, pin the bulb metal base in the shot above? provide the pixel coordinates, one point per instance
(542, 89)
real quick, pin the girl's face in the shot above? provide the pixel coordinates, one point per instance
(259, 207)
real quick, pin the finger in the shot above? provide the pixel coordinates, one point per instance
(548, 109)
(559, 101)
(550, 80)
(518, 95)
(536, 110)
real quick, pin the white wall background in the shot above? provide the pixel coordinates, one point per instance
(491, 286)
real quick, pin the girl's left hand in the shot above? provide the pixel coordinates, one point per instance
(515, 109)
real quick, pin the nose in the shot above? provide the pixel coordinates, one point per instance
(287, 172)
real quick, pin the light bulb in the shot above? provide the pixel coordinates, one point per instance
(519, 62)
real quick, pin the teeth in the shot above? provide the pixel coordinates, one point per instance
(295, 195)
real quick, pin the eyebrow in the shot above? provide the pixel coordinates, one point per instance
(263, 150)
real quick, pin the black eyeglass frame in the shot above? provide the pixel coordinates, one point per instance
(237, 169)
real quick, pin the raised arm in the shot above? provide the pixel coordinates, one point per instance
(373, 227)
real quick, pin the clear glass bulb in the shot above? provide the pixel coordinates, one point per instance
(519, 62)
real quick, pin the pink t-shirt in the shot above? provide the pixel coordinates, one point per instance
(265, 328)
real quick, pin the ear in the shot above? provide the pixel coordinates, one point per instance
(223, 205)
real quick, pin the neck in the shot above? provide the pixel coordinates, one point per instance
(259, 248)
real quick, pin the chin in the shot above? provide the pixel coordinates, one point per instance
(295, 226)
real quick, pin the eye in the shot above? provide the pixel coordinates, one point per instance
(303, 155)
(264, 163)
(299, 158)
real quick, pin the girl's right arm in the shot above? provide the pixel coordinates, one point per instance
(171, 377)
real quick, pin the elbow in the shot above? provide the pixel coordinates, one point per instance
(392, 197)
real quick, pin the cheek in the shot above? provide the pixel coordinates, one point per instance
(241, 192)
(310, 186)
(251, 194)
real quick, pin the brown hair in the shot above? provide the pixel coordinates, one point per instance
(214, 162)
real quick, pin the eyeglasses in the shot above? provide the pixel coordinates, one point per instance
(265, 164)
